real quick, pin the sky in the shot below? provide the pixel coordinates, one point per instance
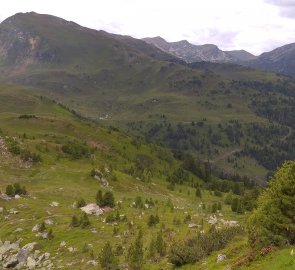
(254, 25)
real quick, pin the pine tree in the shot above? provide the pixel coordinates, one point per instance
(214, 208)
(17, 189)
(152, 249)
(84, 221)
(235, 204)
(108, 199)
(10, 191)
(107, 258)
(75, 221)
(219, 206)
(99, 199)
(273, 220)
(198, 192)
(42, 227)
(81, 203)
(135, 253)
(50, 235)
(160, 245)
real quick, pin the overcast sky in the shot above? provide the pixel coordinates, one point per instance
(253, 25)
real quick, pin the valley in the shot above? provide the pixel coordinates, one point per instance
(171, 160)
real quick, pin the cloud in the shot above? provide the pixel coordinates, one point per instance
(283, 3)
(286, 7)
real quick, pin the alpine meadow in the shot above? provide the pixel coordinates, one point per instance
(143, 154)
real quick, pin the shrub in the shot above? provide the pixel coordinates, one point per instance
(193, 249)
(15, 189)
(76, 150)
(153, 220)
(27, 116)
(81, 203)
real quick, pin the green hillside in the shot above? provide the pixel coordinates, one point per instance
(63, 160)
(223, 113)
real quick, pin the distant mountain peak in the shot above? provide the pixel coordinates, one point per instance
(196, 53)
(190, 53)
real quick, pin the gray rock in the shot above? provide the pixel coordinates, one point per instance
(11, 262)
(4, 197)
(92, 262)
(7, 246)
(47, 255)
(31, 246)
(31, 263)
(220, 257)
(48, 222)
(22, 255)
(36, 228)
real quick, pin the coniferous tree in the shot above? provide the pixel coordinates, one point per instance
(198, 192)
(75, 221)
(84, 221)
(10, 191)
(135, 253)
(99, 199)
(42, 227)
(107, 258)
(50, 235)
(81, 203)
(235, 204)
(109, 199)
(160, 245)
(152, 249)
(273, 220)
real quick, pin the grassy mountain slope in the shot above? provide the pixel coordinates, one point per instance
(42, 127)
(280, 60)
(63, 178)
(224, 113)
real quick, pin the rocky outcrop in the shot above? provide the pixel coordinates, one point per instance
(12, 256)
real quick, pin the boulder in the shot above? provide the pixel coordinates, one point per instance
(92, 209)
(220, 257)
(22, 255)
(31, 246)
(7, 246)
(36, 228)
(92, 262)
(193, 225)
(48, 222)
(11, 262)
(4, 197)
(54, 204)
(31, 263)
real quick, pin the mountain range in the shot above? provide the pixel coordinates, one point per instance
(195, 53)
(216, 111)
(280, 60)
